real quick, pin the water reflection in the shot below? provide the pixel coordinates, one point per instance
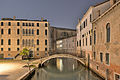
(64, 69)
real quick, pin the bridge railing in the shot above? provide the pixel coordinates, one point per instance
(65, 52)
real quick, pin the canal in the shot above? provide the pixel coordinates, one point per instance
(64, 69)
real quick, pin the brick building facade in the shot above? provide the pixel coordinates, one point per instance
(106, 43)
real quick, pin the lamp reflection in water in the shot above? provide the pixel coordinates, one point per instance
(59, 64)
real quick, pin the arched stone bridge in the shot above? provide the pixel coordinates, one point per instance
(43, 60)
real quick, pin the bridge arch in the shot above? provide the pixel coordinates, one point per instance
(43, 60)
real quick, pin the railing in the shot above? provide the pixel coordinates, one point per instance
(66, 52)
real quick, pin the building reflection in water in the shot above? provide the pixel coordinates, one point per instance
(64, 69)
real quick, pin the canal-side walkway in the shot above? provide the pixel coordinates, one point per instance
(12, 69)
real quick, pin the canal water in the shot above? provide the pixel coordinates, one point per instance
(64, 69)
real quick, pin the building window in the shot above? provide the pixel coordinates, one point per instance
(8, 54)
(86, 41)
(45, 42)
(26, 24)
(37, 24)
(45, 49)
(86, 22)
(26, 31)
(94, 37)
(29, 24)
(9, 23)
(9, 42)
(9, 49)
(23, 31)
(29, 31)
(2, 31)
(94, 55)
(80, 43)
(32, 31)
(32, 24)
(18, 24)
(101, 57)
(90, 17)
(90, 40)
(1, 49)
(37, 49)
(23, 24)
(37, 31)
(2, 24)
(108, 32)
(107, 58)
(18, 42)
(77, 43)
(37, 42)
(1, 41)
(117, 76)
(9, 31)
(18, 49)
(37, 54)
(46, 25)
(46, 32)
(18, 31)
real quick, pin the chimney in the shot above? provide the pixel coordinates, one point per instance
(42, 18)
(113, 2)
(14, 17)
(78, 20)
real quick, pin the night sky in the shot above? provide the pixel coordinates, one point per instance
(60, 13)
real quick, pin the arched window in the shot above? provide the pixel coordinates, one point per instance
(26, 31)
(37, 41)
(108, 32)
(23, 31)
(32, 31)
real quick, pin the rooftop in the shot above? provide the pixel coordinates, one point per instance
(14, 19)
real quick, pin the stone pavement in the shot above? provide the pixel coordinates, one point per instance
(12, 70)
